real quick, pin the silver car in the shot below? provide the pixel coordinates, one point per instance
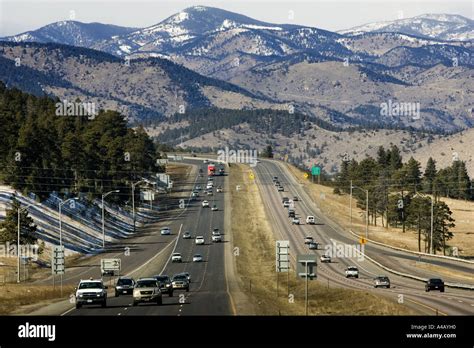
(382, 281)
(147, 290)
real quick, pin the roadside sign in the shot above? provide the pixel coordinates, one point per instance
(315, 170)
(362, 240)
(282, 256)
(306, 175)
(252, 176)
(57, 260)
(306, 266)
(110, 266)
(161, 161)
(175, 157)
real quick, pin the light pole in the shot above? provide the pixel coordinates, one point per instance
(61, 233)
(432, 223)
(103, 216)
(60, 223)
(366, 209)
(431, 220)
(133, 201)
(18, 240)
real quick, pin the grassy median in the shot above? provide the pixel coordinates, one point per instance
(255, 260)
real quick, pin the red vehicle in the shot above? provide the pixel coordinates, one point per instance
(211, 170)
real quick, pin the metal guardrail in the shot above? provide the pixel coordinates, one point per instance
(406, 275)
(452, 258)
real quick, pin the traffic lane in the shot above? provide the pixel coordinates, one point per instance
(379, 253)
(195, 302)
(133, 251)
(185, 247)
(365, 272)
(194, 208)
(376, 271)
(210, 279)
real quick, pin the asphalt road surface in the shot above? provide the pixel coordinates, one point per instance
(326, 232)
(208, 291)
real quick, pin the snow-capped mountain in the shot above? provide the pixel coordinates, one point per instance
(196, 30)
(436, 26)
(72, 33)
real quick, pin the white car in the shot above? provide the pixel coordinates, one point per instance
(165, 231)
(214, 208)
(352, 272)
(210, 193)
(308, 240)
(295, 221)
(310, 220)
(216, 238)
(176, 257)
(187, 235)
(205, 204)
(325, 258)
(197, 258)
(91, 291)
(199, 240)
(198, 188)
(286, 204)
(219, 189)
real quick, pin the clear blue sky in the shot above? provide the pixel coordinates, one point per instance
(21, 15)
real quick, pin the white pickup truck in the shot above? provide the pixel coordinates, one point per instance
(352, 272)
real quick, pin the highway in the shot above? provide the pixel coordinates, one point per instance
(208, 291)
(326, 232)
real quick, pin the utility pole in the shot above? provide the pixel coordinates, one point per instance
(306, 290)
(367, 214)
(133, 201)
(18, 249)
(350, 208)
(103, 215)
(432, 223)
(366, 209)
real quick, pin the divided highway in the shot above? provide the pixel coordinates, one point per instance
(326, 232)
(208, 288)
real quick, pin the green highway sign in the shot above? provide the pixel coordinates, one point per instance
(315, 170)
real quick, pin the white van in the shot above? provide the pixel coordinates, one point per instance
(310, 220)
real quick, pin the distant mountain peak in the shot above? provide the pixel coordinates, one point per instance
(441, 26)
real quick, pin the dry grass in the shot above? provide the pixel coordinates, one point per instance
(14, 296)
(337, 207)
(255, 265)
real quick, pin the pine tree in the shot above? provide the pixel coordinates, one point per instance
(429, 176)
(9, 226)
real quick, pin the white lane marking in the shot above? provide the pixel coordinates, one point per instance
(68, 311)
(460, 301)
(174, 249)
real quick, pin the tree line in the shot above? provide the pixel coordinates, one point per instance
(401, 195)
(41, 152)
